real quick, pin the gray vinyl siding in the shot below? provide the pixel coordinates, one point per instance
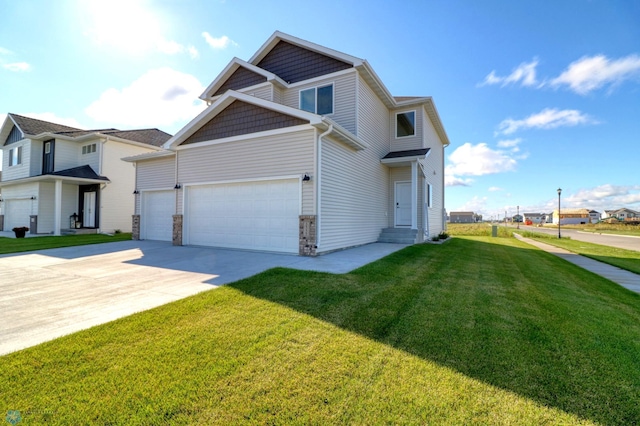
(344, 98)
(35, 161)
(435, 162)
(67, 155)
(46, 204)
(407, 142)
(21, 170)
(278, 95)
(284, 154)
(263, 92)
(354, 184)
(154, 174)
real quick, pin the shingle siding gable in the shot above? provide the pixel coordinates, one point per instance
(240, 79)
(241, 118)
(293, 64)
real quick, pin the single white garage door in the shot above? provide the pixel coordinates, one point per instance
(257, 215)
(156, 218)
(17, 213)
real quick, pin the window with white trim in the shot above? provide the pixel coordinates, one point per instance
(88, 149)
(405, 124)
(318, 100)
(429, 196)
(15, 156)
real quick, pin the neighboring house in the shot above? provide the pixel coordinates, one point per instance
(595, 216)
(302, 149)
(462, 217)
(535, 218)
(52, 171)
(571, 216)
(623, 214)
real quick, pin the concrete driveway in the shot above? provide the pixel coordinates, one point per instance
(50, 293)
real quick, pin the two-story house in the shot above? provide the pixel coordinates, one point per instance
(302, 149)
(51, 172)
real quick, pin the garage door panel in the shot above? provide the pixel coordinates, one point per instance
(17, 213)
(157, 215)
(260, 215)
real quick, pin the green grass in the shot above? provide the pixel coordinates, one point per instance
(16, 245)
(622, 228)
(624, 259)
(476, 331)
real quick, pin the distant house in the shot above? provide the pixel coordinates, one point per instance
(623, 214)
(462, 217)
(571, 216)
(52, 171)
(535, 218)
(595, 216)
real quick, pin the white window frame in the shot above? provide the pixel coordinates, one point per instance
(47, 147)
(429, 196)
(315, 96)
(415, 114)
(15, 156)
(88, 149)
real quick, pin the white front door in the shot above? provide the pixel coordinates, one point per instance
(403, 203)
(89, 216)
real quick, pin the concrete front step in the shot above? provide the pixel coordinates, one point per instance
(398, 236)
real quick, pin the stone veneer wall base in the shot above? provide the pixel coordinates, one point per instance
(307, 237)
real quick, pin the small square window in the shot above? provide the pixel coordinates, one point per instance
(405, 124)
(88, 149)
(15, 156)
(318, 100)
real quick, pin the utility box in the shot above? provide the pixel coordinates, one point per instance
(33, 224)
(494, 230)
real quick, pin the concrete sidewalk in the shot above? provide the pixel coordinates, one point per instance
(626, 279)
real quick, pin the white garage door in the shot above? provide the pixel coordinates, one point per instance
(259, 215)
(16, 213)
(156, 219)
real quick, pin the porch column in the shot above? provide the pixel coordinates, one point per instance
(414, 195)
(57, 207)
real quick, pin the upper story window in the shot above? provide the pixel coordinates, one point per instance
(88, 149)
(405, 124)
(318, 100)
(15, 156)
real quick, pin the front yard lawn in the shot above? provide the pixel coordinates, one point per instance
(476, 331)
(16, 245)
(624, 259)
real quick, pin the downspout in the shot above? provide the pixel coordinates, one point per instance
(319, 184)
(100, 160)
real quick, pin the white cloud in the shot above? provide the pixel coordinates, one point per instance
(159, 98)
(4, 51)
(218, 43)
(17, 66)
(193, 52)
(548, 118)
(591, 73)
(525, 74)
(169, 47)
(475, 204)
(495, 189)
(53, 118)
(509, 143)
(476, 160)
(605, 196)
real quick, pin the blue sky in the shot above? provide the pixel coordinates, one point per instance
(534, 95)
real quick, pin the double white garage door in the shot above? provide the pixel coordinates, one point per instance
(257, 215)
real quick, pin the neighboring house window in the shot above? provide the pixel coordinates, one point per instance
(47, 147)
(405, 124)
(429, 195)
(318, 100)
(88, 149)
(15, 156)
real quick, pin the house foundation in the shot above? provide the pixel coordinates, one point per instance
(308, 235)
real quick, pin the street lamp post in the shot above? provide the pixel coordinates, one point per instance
(559, 192)
(518, 216)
